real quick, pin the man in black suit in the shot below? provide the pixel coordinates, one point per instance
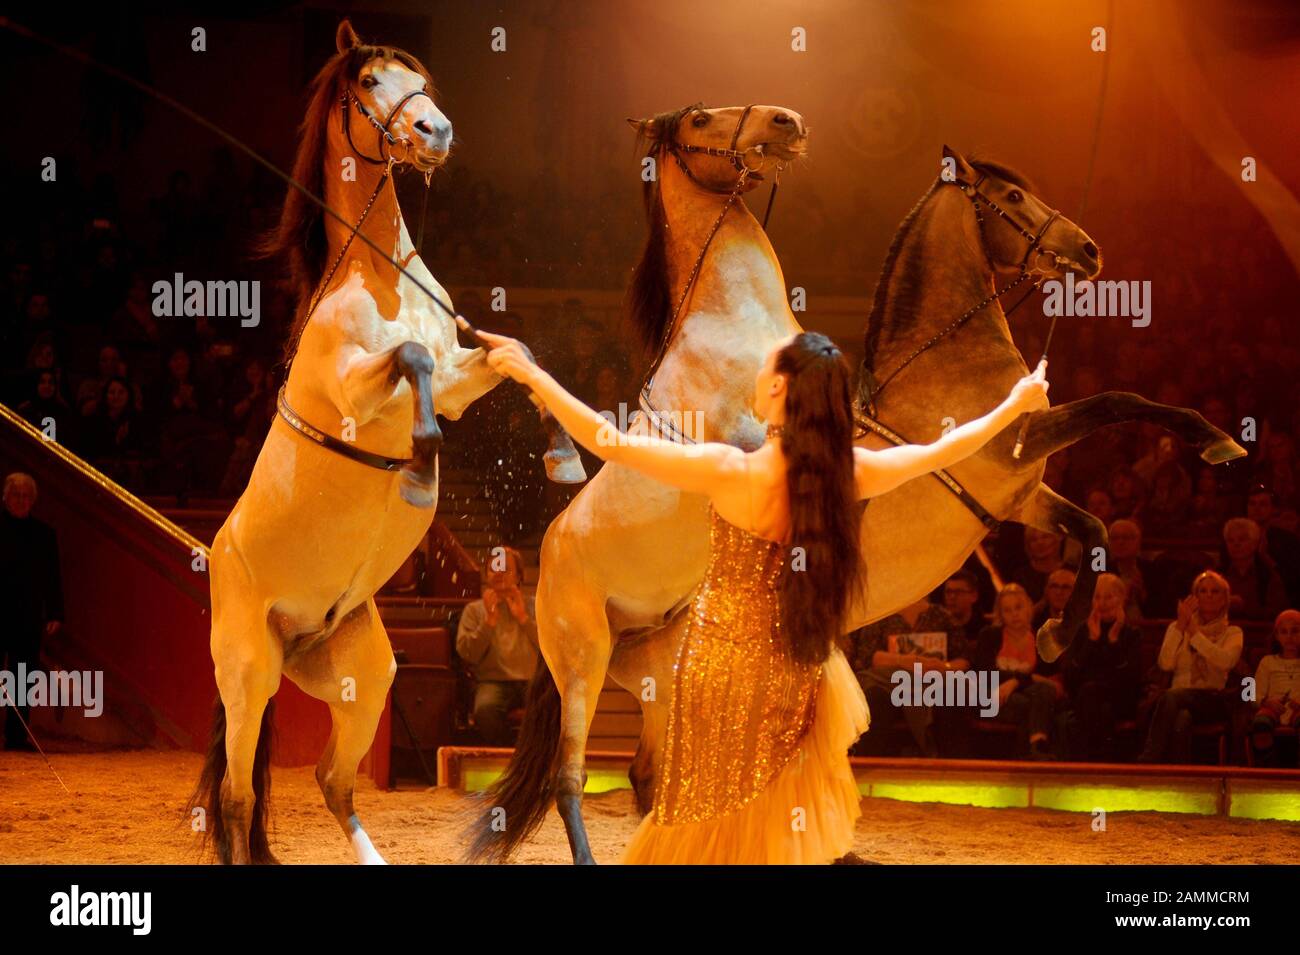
(31, 591)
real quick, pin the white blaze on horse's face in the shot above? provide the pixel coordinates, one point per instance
(770, 136)
(381, 84)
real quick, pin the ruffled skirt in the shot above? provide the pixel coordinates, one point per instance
(806, 816)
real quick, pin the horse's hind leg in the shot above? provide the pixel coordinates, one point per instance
(419, 483)
(247, 658)
(644, 667)
(573, 631)
(351, 671)
(1048, 511)
(1059, 427)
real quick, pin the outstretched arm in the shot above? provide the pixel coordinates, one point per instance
(877, 472)
(698, 468)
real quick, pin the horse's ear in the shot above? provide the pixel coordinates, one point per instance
(346, 38)
(646, 127)
(956, 168)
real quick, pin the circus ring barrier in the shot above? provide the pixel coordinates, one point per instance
(1239, 792)
(137, 608)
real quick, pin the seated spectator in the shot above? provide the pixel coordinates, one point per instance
(1257, 589)
(1126, 493)
(878, 650)
(1143, 579)
(1043, 554)
(961, 594)
(1099, 505)
(1200, 648)
(47, 405)
(193, 447)
(114, 438)
(1277, 688)
(1102, 671)
(1028, 688)
(1210, 508)
(497, 636)
(1056, 592)
(109, 365)
(1276, 467)
(1277, 543)
(1170, 503)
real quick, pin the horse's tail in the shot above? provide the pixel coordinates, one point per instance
(207, 795)
(516, 804)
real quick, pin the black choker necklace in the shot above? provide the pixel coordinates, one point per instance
(775, 430)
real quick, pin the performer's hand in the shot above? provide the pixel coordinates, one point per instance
(1117, 627)
(1005, 690)
(1030, 392)
(52, 627)
(1094, 624)
(508, 358)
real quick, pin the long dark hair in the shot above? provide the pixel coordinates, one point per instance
(825, 515)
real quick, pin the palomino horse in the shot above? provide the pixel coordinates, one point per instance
(628, 550)
(644, 547)
(323, 524)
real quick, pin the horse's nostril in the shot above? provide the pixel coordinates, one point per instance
(782, 119)
(424, 127)
(1090, 251)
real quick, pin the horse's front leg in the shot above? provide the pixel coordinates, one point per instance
(1048, 511)
(367, 381)
(1061, 426)
(472, 377)
(419, 481)
(563, 466)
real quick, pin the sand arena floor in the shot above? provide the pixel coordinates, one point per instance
(126, 808)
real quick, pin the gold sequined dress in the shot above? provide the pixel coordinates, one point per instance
(755, 766)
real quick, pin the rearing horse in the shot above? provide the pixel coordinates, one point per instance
(628, 550)
(346, 482)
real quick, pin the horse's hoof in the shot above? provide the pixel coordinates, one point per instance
(564, 467)
(1051, 641)
(1224, 450)
(416, 493)
(852, 858)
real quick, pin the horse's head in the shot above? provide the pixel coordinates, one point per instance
(1018, 229)
(714, 144)
(392, 92)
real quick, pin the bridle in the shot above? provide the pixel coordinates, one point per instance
(385, 136)
(1028, 271)
(740, 161)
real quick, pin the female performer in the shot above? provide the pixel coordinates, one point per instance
(764, 706)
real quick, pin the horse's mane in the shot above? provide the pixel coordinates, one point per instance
(875, 320)
(299, 237)
(647, 304)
